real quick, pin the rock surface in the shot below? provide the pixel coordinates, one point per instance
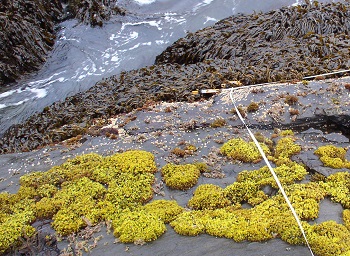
(161, 127)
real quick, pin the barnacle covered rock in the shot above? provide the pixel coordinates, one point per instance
(238, 149)
(180, 176)
(166, 210)
(208, 196)
(333, 156)
(133, 226)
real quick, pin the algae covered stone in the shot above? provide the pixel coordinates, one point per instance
(180, 176)
(208, 196)
(333, 156)
(166, 210)
(238, 149)
(138, 225)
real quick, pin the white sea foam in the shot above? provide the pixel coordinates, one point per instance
(142, 2)
(208, 19)
(6, 94)
(40, 93)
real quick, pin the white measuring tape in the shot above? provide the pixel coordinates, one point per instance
(271, 170)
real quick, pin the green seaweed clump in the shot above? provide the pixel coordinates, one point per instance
(137, 226)
(247, 152)
(346, 218)
(338, 187)
(253, 107)
(305, 199)
(74, 200)
(165, 210)
(333, 156)
(286, 147)
(208, 196)
(180, 177)
(81, 192)
(190, 223)
(327, 238)
(16, 215)
(287, 174)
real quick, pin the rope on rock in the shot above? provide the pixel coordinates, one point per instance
(271, 170)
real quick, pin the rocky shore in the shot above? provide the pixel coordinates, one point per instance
(160, 110)
(167, 130)
(286, 50)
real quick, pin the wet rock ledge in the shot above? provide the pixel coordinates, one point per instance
(285, 44)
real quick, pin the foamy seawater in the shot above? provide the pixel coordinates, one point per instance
(83, 55)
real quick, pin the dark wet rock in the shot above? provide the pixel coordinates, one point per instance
(26, 36)
(278, 45)
(93, 12)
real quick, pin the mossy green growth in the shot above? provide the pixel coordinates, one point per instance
(137, 226)
(305, 199)
(180, 177)
(333, 156)
(13, 228)
(286, 148)
(190, 223)
(134, 162)
(285, 133)
(346, 218)
(16, 215)
(208, 196)
(81, 192)
(130, 191)
(238, 149)
(76, 200)
(338, 187)
(329, 238)
(287, 174)
(165, 210)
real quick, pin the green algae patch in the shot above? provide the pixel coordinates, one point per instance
(240, 150)
(165, 210)
(16, 215)
(137, 226)
(338, 188)
(208, 196)
(180, 177)
(81, 192)
(346, 218)
(287, 174)
(286, 147)
(333, 156)
(190, 223)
